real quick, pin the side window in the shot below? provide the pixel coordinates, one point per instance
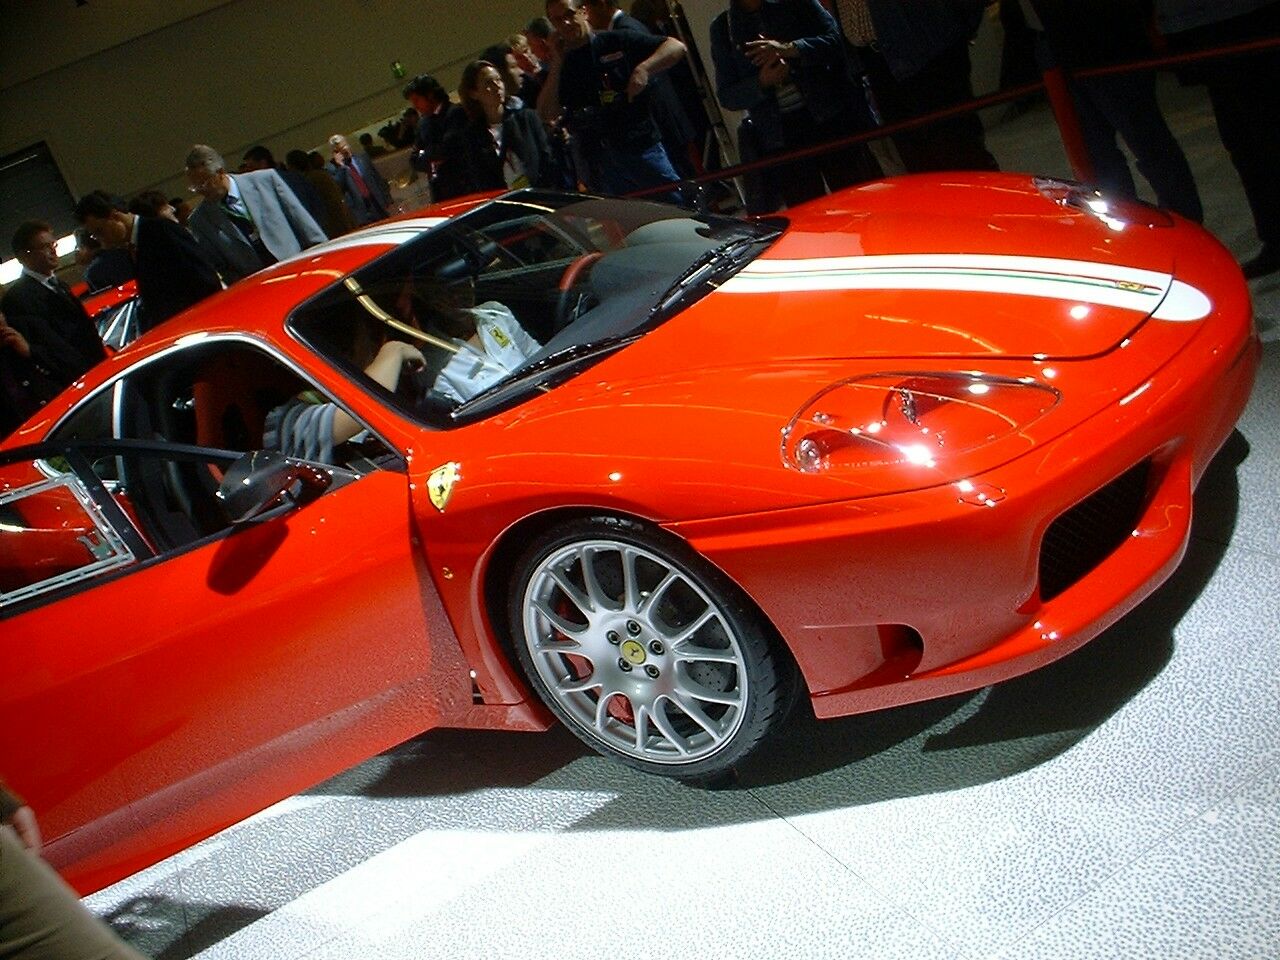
(211, 395)
(52, 534)
(185, 417)
(119, 325)
(225, 395)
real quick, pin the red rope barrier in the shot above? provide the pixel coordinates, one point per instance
(1054, 83)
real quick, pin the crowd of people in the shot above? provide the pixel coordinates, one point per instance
(591, 97)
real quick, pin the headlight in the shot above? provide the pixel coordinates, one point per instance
(1117, 212)
(888, 419)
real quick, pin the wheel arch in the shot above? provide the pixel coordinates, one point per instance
(500, 565)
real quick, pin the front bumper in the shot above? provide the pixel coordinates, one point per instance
(844, 583)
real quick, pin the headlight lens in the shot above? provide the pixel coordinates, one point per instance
(923, 419)
(1117, 212)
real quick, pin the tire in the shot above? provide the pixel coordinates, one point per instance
(644, 650)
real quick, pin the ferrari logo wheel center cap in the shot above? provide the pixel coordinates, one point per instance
(633, 652)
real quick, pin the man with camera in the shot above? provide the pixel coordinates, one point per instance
(600, 81)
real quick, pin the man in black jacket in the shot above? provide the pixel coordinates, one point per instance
(173, 271)
(438, 117)
(25, 385)
(674, 125)
(600, 82)
(916, 58)
(61, 337)
(784, 63)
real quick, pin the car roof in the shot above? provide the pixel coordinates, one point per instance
(261, 302)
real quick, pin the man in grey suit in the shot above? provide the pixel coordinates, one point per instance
(246, 221)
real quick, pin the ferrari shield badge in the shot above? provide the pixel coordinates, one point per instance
(441, 482)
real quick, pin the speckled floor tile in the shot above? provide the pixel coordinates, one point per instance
(742, 885)
(1026, 796)
(1210, 890)
(1255, 522)
(422, 874)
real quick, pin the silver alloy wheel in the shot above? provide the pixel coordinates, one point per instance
(635, 651)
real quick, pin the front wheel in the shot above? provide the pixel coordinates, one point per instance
(643, 649)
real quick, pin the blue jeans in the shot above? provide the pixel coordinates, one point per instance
(622, 171)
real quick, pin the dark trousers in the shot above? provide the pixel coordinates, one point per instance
(1245, 93)
(40, 916)
(802, 180)
(955, 144)
(1125, 104)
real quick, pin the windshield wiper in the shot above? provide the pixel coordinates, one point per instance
(706, 266)
(563, 357)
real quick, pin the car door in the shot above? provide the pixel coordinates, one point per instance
(169, 672)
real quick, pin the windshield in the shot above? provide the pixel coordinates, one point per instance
(519, 294)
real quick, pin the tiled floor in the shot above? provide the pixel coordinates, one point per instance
(1124, 802)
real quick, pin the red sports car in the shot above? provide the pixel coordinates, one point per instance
(647, 472)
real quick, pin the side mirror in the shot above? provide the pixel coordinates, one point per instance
(264, 480)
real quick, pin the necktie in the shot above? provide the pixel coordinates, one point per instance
(855, 20)
(359, 180)
(239, 210)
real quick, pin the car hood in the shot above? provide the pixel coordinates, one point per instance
(997, 266)
(992, 278)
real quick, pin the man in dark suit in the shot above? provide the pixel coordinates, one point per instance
(438, 117)
(61, 337)
(25, 385)
(246, 221)
(173, 271)
(103, 268)
(916, 59)
(366, 191)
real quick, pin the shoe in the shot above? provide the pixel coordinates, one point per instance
(1267, 261)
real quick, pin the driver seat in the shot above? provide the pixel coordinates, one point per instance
(233, 392)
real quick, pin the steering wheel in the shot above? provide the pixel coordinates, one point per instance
(568, 300)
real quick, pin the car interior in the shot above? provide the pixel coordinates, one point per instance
(197, 409)
(585, 271)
